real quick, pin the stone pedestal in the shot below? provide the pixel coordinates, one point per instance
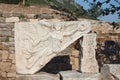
(39, 76)
(88, 61)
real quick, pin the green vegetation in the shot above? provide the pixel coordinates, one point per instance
(7, 39)
(10, 1)
(21, 16)
(69, 6)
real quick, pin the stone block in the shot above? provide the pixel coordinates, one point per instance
(12, 57)
(13, 68)
(37, 43)
(30, 16)
(39, 76)
(75, 53)
(3, 74)
(34, 20)
(105, 74)
(113, 68)
(5, 54)
(12, 19)
(5, 15)
(9, 74)
(7, 25)
(5, 67)
(2, 20)
(11, 39)
(74, 75)
(88, 62)
(11, 78)
(5, 33)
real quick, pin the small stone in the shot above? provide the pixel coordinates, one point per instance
(11, 39)
(12, 19)
(13, 68)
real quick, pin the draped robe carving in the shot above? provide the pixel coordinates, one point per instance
(38, 42)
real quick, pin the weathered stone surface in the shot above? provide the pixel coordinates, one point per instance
(5, 67)
(105, 74)
(74, 75)
(12, 19)
(113, 68)
(12, 57)
(34, 20)
(40, 76)
(88, 62)
(44, 16)
(4, 54)
(37, 43)
(74, 59)
(2, 20)
(3, 74)
(6, 25)
(31, 16)
(11, 74)
(5, 33)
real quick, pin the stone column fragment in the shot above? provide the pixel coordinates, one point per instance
(88, 61)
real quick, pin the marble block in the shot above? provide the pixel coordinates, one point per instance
(37, 43)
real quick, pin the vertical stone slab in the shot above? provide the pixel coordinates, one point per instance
(88, 61)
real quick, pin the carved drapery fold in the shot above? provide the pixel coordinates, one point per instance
(37, 43)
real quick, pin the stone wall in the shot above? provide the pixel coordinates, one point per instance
(7, 51)
(7, 57)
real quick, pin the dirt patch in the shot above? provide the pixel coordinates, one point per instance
(34, 9)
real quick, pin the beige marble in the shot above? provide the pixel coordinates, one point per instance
(37, 43)
(88, 62)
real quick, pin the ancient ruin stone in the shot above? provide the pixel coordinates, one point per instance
(12, 19)
(39, 76)
(74, 75)
(37, 43)
(89, 63)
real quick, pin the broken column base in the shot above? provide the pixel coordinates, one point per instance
(38, 76)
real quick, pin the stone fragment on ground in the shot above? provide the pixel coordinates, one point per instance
(74, 75)
(109, 72)
(38, 76)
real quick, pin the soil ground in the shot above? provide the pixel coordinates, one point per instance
(17, 8)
